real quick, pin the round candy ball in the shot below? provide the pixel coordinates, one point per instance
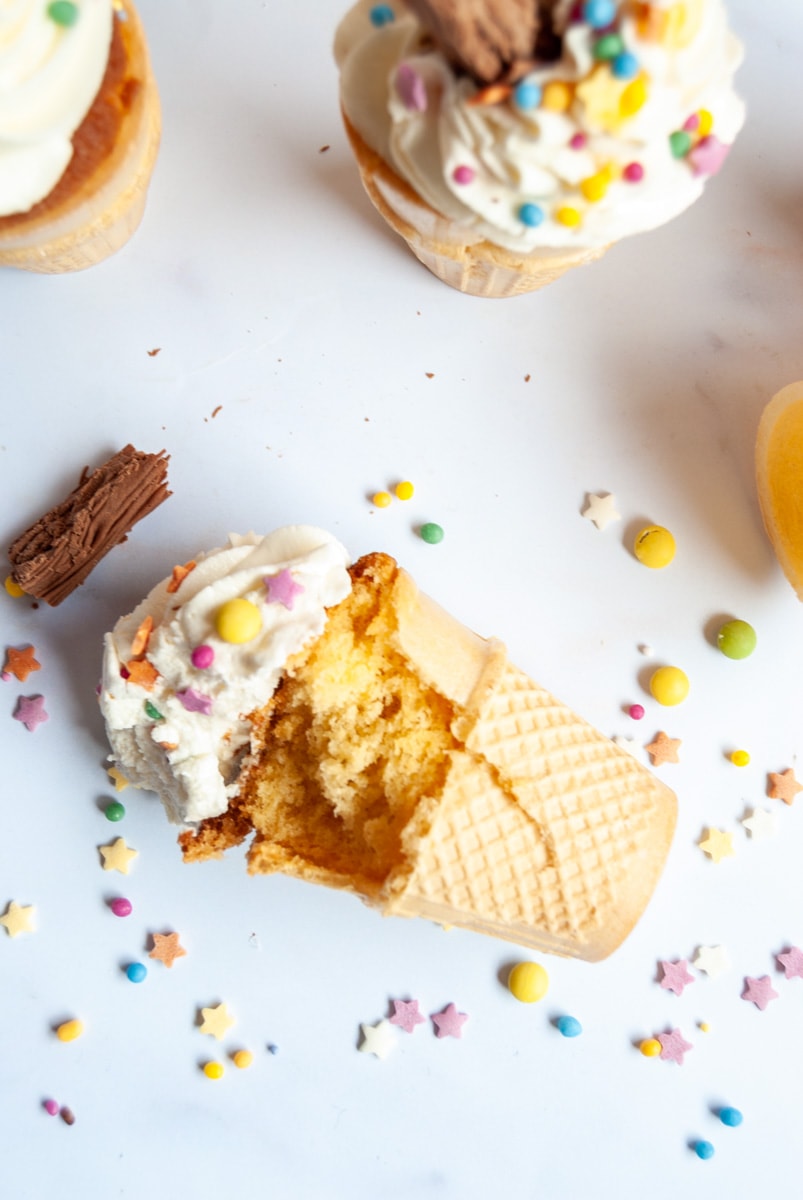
(740, 758)
(51, 1107)
(569, 1026)
(650, 1047)
(736, 639)
(432, 533)
(114, 811)
(528, 982)
(202, 657)
(654, 546)
(121, 907)
(703, 1149)
(242, 1059)
(404, 490)
(213, 1070)
(669, 685)
(238, 621)
(636, 711)
(68, 1031)
(531, 215)
(599, 13)
(730, 1116)
(136, 972)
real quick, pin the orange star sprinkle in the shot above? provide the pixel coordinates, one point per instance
(494, 93)
(663, 750)
(142, 637)
(783, 786)
(166, 948)
(21, 662)
(179, 575)
(142, 672)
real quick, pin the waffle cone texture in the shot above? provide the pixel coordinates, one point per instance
(407, 760)
(92, 220)
(464, 261)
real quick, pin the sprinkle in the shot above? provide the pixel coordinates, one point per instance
(760, 823)
(117, 856)
(704, 1027)
(13, 588)
(179, 575)
(692, 123)
(202, 657)
(601, 509)
(706, 122)
(608, 47)
(136, 972)
(67, 1115)
(578, 141)
(599, 13)
(431, 533)
(406, 1015)
(712, 960)
(527, 95)
(68, 1031)
(528, 982)
(759, 991)
(568, 1026)
(152, 711)
(118, 779)
(195, 701)
(708, 155)
(411, 88)
(463, 174)
(51, 1107)
(114, 811)
(63, 12)
(717, 845)
(449, 1022)
(703, 1149)
(213, 1070)
(557, 96)
(595, 187)
(167, 948)
(216, 1021)
(568, 216)
(628, 744)
(404, 490)
(736, 639)
(242, 1059)
(783, 786)
(625, 65)
(633, 172)
(669, 686)
(142, 637)
(663, 749)
(675, 976)
(680, 143)
(731, 1117)
(792, 962)
(646, 651)
(238, 621)
(377, 1039)
(650, 1047)
(121, 907)
(18, 919)
(739, 758)
(31, 712)
(382, 499)
(654, 546)
(636, 711)
(142, 672)
(674, 1046)
(494, 93)
(381, 14)
(20, 663)
(283, 589)
(634, 97)
(531, 215)
(272, 1048)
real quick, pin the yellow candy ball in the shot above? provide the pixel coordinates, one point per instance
(213, 1070)
(243, 1059)
(568, 216)
(68, 1031)
(405, 490)
(595, 186)
(528, 982)
(13, 588)
(650, 1047)
(382, 499)
(633, 97)
(238, 621)
(556, 96)
(654, 546)
(740, 758)
(669, 686)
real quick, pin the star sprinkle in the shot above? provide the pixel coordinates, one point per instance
(626, 743)
(792, 962)
(216, 1021)
(601, 93)
(718, 845)
(713, 960)
(194, 701)
(143, 672)
(166, 948)
(675, 975)
(673, 1046)
(759, 991)
(20, 663)
(179, 575)
(117, 856)
(449, 1022)
(411, 88)
(406, 1015)
(760, 824)
(783, 786)
(663, 749)
(118, 779)
(283, 589)
(601, 509)
(31, 711)
(18, 919)
(377, 1039)
(708, 155)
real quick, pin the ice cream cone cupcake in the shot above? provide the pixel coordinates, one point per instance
(81, 119)
(779, 476)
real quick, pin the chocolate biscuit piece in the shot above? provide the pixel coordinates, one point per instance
(59, 550)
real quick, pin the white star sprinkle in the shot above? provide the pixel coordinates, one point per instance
(601, 509)
(378, 1039)
(713, 960)
(760, 824)
(628, 744)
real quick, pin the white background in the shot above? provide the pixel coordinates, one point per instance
(276, 295)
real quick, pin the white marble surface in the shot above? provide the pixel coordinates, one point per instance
(276, 296)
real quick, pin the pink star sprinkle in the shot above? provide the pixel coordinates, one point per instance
(31, 711)
(406, 1015)
(450, 1022)
(195, 701)
(411, 88)
(708, 155)
(675, 975)
(673, 1046)
(792, 962)
(283, 589)
(760, 991)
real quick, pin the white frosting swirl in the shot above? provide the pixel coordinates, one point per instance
(197, 776)
(49, 77)
(545, 156)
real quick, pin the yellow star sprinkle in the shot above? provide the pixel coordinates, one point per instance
(18, 919)
(118, 779)
(216, 1021)
(117, 856)
(718, 845)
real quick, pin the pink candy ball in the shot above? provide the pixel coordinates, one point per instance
(202, 657)
(633, 172)
(121, 907)
(636, 711)
(51, 1107)
(578, 141)
(463, 174)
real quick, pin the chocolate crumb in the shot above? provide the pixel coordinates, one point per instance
(430, 374)
(215, 411)
(154, 352)
(527, 378)
(67, 1115)
(323, 149)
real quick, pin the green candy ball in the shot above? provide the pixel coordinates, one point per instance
(432, 533)
(114, 811)
(737, 639)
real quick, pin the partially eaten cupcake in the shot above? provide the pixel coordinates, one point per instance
(361, 737)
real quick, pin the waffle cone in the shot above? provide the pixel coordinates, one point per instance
(511, 815)
(96, 218)
(470, 265)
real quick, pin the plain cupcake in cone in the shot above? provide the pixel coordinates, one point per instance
(360, 737)
(79, 131)
(507, 141)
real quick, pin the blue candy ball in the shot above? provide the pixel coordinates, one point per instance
(730, 1116)
(382, 14)
(599, 13)
(703, 1149)
(527, 95)
(531, 215)
(569, 1026)
(136, 972)
(625, 65)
